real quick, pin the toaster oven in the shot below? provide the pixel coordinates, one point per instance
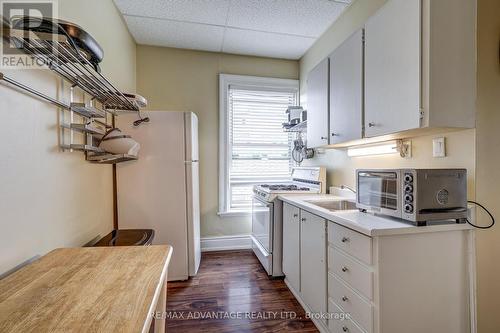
(417, 195)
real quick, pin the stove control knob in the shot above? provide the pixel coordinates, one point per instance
(408, 198)
(408, 208)
(408, 188)
(408, 178)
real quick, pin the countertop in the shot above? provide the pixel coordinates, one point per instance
(90, 289)
(365, 223)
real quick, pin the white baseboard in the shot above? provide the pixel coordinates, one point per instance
(226, 243)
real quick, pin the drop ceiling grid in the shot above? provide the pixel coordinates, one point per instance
(269, 28)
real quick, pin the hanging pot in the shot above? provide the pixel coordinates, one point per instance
(79, 39)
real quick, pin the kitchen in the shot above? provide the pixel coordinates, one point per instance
(180, 56)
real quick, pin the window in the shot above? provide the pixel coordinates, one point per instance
(253, 146)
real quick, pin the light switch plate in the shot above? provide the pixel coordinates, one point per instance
(439, 147)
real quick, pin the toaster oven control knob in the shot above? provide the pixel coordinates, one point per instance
(408, 178)
(408, 188)
(408, 198)
(408, 208)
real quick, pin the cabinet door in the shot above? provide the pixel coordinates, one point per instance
(317, 105)
(313, 287)
(392, 68)
(346, 90)
(291, 245)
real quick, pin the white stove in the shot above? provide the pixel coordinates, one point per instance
(267, 217)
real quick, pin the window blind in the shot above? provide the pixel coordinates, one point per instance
(259, 148)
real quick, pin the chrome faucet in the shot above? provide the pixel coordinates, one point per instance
(345, 187)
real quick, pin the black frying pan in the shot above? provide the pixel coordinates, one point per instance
(78, 37)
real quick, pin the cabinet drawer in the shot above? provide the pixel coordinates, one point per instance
(361, 310)
(355, 274)
(340, 326)
(352, 242)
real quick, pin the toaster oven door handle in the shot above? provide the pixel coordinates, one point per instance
(379, 174)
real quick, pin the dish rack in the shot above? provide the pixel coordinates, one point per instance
(57, 54)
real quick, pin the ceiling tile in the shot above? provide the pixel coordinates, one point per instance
(199, 11)
(265, 44)
(298, 17)
(183, 35)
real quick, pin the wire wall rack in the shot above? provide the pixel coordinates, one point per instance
(56, 53)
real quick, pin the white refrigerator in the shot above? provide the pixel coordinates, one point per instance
(160, 190)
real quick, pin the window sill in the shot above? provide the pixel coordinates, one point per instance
(235, 213)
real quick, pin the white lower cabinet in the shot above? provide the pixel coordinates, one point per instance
(305, 257)
(291, 245)
(313, 261)
(411, 282)
(341, 325)
(351, 271)
(351, 302)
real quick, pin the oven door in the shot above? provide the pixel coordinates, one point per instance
(262, 223)
(379, 191)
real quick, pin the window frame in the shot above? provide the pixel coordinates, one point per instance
(226, 80)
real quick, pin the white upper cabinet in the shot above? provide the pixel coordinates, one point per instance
(346, 90)
(420, 66)
(317, 105)
(392, 68)
(414, 71)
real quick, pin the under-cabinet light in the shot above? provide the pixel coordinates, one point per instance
(392, 147)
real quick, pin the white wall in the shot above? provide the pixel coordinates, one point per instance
(48, 198)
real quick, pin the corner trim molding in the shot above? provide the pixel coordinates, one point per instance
(226, 243)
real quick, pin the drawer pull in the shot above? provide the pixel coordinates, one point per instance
(345, 269)
(345, 239)
(344, 299)
(295, 215)
(345, 329)
(303, 219)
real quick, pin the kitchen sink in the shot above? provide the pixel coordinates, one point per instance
(333, 205)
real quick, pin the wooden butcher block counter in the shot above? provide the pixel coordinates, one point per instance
(92, 289)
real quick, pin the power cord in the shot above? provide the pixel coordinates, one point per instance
(487, 211)
(141, 120)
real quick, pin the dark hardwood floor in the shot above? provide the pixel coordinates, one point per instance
(229, 285)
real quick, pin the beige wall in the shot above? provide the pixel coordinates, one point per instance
(488, 164)
(51, 199)
(460, 153)
(182, 80)
(475, 150)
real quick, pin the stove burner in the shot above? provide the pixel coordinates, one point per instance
(280, 187)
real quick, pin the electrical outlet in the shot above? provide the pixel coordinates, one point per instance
(439, 147)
